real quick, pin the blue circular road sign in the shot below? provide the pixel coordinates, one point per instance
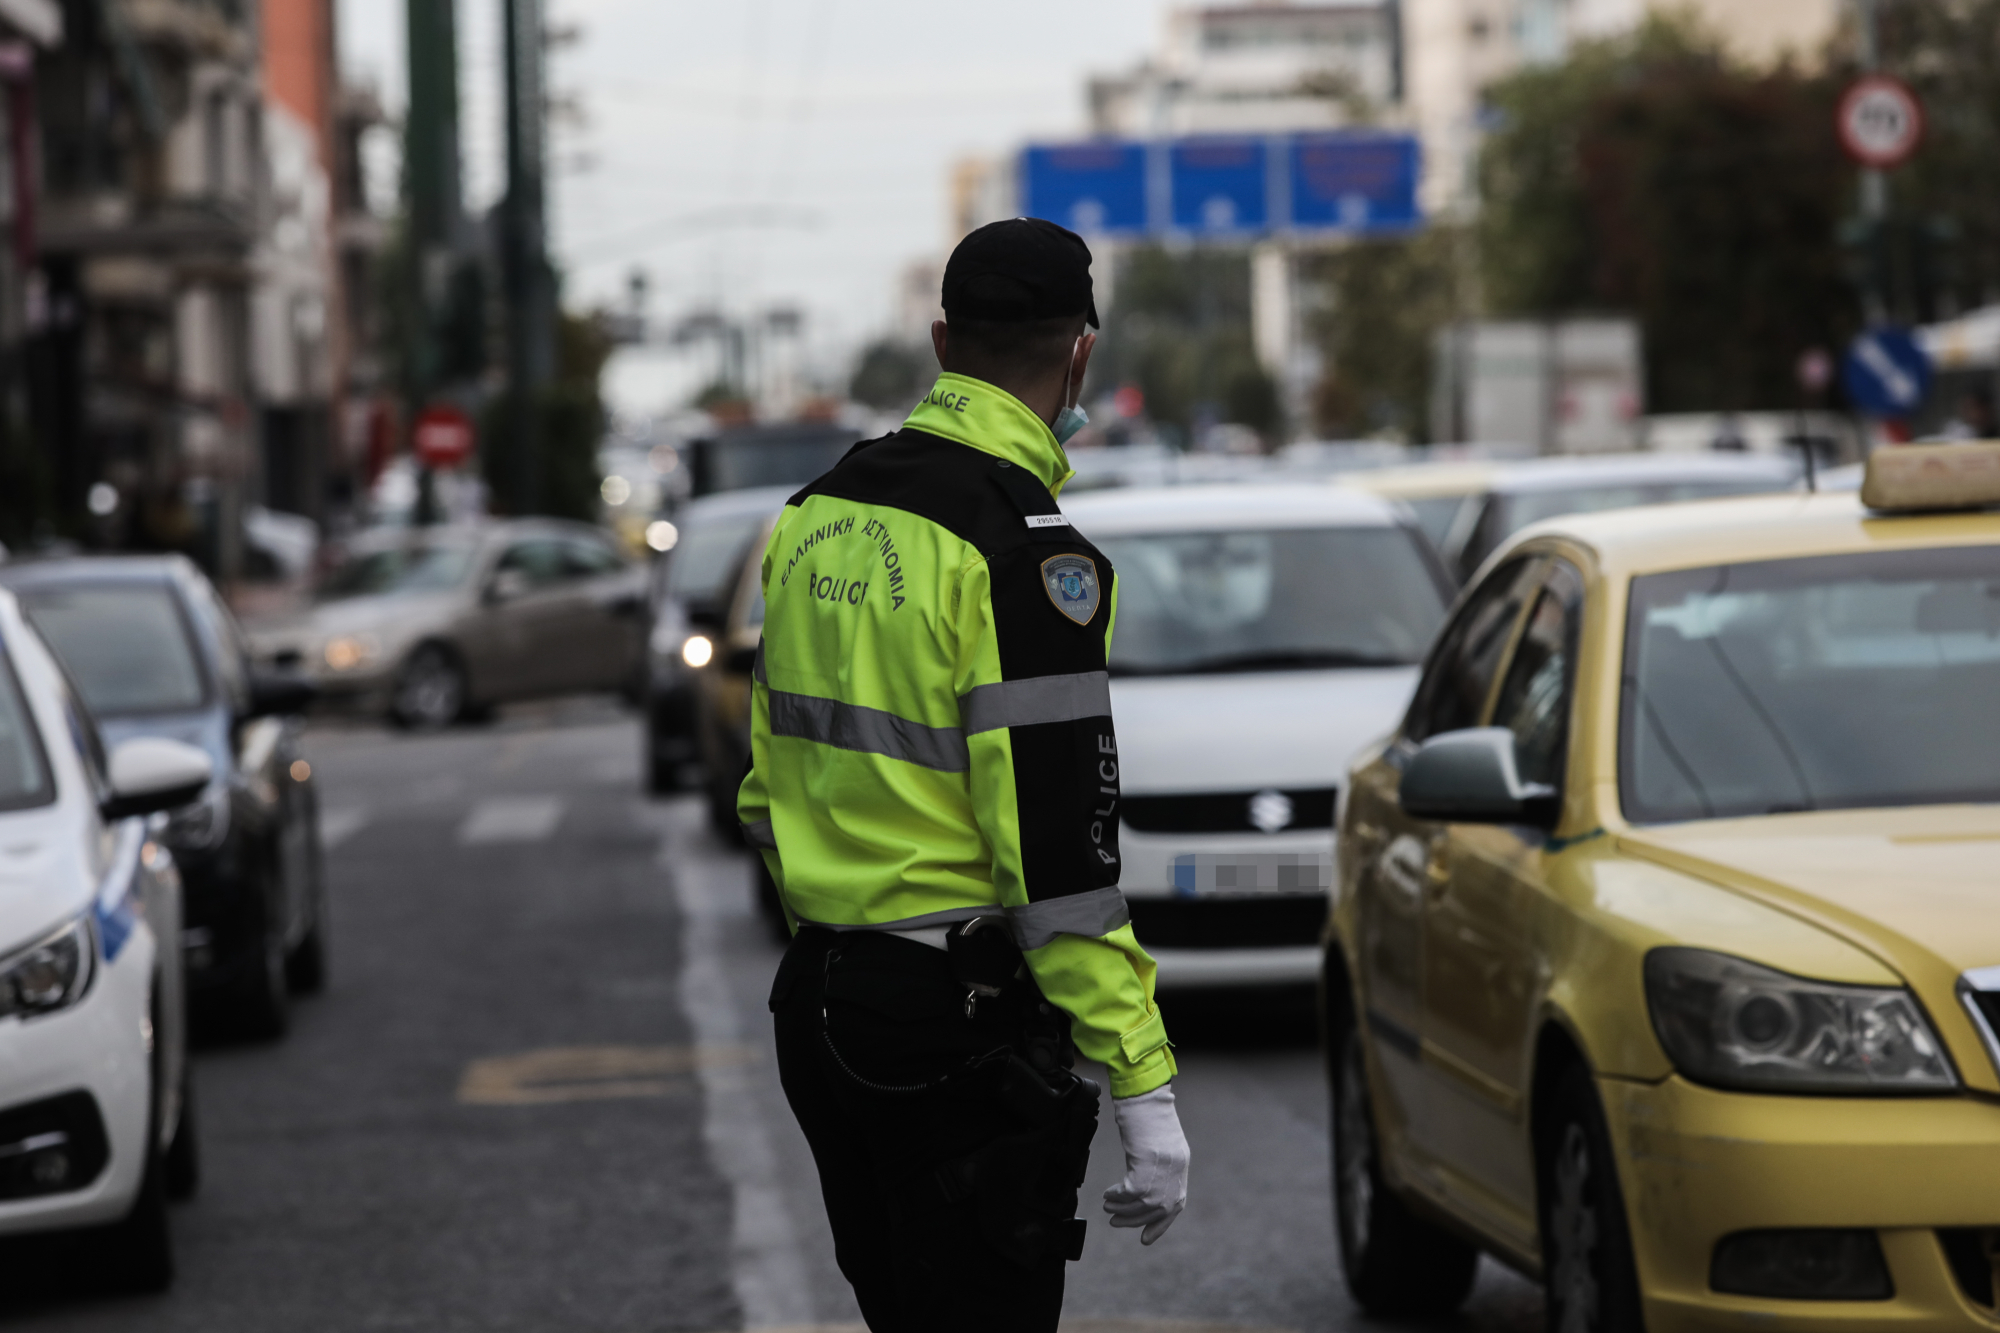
(1886, 373)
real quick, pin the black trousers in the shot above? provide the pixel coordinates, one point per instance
(919, 1260)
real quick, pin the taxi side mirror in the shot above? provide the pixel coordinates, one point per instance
(1473, 777)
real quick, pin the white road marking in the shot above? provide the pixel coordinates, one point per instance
(766, 1266)
(511, 819)
(338, 825)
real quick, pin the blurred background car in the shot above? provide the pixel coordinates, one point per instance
(787, 453)
(694, 583)
(96, 1126)
(1264, 635)
(435, 624)
(1469, 509)
(155, 653)
(733, 627)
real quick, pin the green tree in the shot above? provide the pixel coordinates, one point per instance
(1652, 175)
(1943, 250)
(569, 418)
(892, 374)
(1389, 299)
(1179, 330)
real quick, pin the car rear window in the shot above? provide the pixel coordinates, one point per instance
(24, 769)
(1822, 683)
(418, 567)
(127, 646)
(1272, 600)
(709, 554)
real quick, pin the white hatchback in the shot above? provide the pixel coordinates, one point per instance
(1263, 635)
(96, 1129)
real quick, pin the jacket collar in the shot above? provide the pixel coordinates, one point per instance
(979, 415)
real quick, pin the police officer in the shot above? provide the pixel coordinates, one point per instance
(934, 786)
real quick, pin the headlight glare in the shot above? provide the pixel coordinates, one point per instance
(50, 974)
(1736, 1024)
(698, 651)
(347, 651)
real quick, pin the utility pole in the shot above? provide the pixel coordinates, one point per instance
(527, 281)
(436, 205)
(1874, 182)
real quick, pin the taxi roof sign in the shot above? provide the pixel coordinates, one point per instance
(1909, 477)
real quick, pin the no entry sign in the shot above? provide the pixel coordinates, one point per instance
(443, 436)
(1881, 122)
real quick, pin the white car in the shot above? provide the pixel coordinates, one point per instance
(1264, 634)
(96, 1128)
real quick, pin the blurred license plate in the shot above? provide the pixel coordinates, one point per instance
(1202, 875)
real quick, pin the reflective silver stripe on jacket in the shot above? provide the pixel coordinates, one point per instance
(944, 918)
(1098, 912)
(759, 835)
(758, 669)
(869, 731)
(1023, 703)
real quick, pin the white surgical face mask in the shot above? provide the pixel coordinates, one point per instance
(1071, 419)
(1068, 422)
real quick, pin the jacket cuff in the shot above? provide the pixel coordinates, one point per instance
(1155, 1071)
(1147, 1061)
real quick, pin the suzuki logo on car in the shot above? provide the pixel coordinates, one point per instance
(1271, 810)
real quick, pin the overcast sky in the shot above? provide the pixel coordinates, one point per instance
(834, 120)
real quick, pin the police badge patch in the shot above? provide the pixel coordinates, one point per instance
(1072, 584)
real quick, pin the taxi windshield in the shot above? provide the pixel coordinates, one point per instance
(1823, 683)
(1271, 600)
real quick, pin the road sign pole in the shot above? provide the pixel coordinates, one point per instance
(1874, 184)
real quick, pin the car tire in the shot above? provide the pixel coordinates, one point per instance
(1396, 1263)
(183, 1161)
(1588, 1273)
(261, 1002)
(305, 966)
(430, 691)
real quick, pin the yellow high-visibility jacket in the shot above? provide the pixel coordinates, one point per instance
(931, 733)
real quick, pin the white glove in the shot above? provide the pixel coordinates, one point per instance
(1156, 1164)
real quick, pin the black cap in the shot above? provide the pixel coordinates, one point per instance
(1018, 270)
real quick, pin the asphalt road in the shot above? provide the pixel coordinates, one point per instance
(538, 1093)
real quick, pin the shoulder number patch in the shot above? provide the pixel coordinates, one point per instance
(1071, 581)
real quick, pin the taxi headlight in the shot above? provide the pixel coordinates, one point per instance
(51, 974)
(1736, 1024)
(698, 651)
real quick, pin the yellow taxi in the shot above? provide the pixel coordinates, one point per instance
(1665, 958)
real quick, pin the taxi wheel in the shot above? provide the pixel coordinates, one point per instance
(1591, 1281)
(1396, 1263)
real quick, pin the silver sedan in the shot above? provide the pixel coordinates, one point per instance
(435, 624)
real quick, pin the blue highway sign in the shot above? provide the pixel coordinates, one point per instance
(1097, 186)
(1355, 182)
